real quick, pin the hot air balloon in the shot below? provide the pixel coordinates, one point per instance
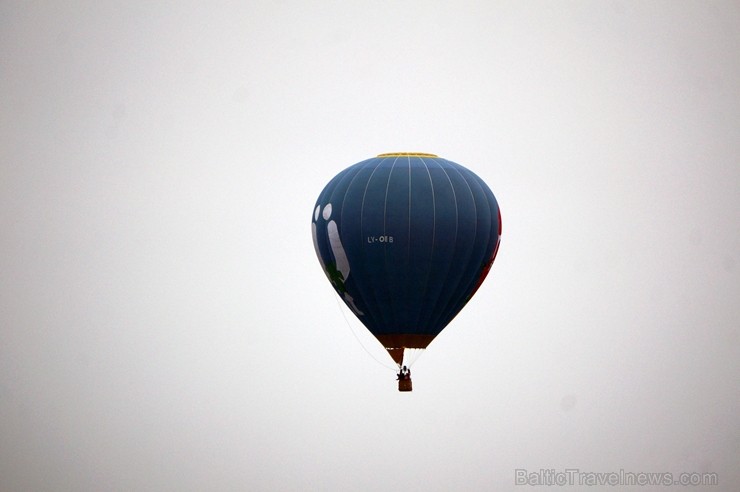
(406, 239)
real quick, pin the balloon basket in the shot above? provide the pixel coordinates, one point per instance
(404, 385)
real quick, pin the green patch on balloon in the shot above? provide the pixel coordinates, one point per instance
(336, 277)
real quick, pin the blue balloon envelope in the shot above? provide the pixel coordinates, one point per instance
(406, 239)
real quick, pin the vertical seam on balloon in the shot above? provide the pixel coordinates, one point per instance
(362, 213)
(372, 312)
(454, 241)
(344, 198)
(385, 245)
(434, 206)
(457, 229)
(434, 230)
(364, 194)
(495, 214)
(454, 301)
(457, 211)
(408, 235)
(407, 262)
(385, 200)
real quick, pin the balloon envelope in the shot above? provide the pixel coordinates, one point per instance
(406, 240)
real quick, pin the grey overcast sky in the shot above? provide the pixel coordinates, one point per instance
(164, 322)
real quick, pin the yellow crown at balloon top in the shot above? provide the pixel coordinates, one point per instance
(410, 154)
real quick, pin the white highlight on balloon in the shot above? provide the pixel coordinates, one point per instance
(337, 248)
(316, 243)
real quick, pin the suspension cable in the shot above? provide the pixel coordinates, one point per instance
(341, 310)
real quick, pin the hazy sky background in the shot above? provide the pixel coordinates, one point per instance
(164, 322)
